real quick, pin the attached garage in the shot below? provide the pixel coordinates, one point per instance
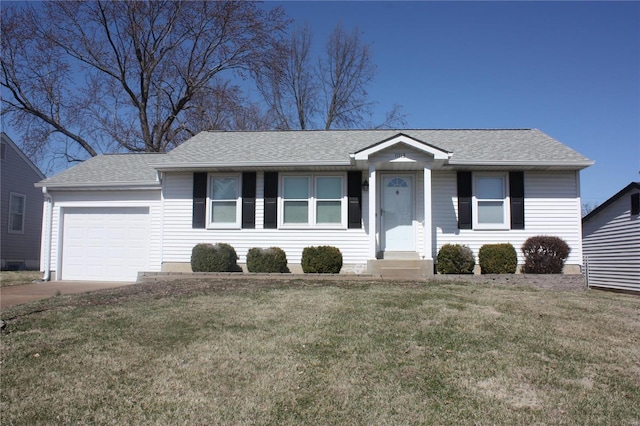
(104, 243)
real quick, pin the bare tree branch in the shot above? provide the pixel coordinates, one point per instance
(121, 75)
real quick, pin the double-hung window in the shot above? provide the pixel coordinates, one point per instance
(329, 200)
(491, 201)
(16, 213)
(224, 201)
(296, 200)
(313, 201)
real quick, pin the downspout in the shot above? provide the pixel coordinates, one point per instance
(46, 234)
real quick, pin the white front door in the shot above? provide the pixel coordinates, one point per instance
(397, 213)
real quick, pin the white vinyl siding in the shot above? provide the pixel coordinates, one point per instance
(611, 243)
(552, 207)
(105, 199)
(180, 237)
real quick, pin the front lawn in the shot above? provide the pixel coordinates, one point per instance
(310, 352)
(9, 278)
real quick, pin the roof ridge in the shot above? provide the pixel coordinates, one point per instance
(375, 130)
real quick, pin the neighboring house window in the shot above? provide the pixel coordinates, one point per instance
(490, 201)
(313, 201)
(16, 213)
(635, 204)
(224, 201)
(3, 150)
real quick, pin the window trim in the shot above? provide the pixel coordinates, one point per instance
(11, 214)
(313, 202)
(226, 225)
(506, 213)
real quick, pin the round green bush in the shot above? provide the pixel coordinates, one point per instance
(321, 260)
(498, 259)
(455, 259)
(218, 257)
(267, 260)
(544, 254)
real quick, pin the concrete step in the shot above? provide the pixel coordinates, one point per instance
(409, 269)
(400, 255)
(401, 273)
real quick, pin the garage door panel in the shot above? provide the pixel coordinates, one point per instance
(105, 244)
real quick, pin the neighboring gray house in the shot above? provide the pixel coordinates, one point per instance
(20, 208)
(611, 241)
(388, 199)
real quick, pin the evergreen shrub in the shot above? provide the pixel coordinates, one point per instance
(455, 259)
(267, 260)
(321, 260)
(498, 259)
(220, 257)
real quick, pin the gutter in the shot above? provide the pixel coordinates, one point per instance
(46, 234)
(248, 164)
(565, 164)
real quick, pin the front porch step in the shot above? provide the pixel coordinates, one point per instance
(399, 255)
(400, 269)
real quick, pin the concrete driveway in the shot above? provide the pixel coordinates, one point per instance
(18, 294)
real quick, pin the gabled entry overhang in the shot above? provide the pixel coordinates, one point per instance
(402, 152)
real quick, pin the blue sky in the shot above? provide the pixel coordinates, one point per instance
(570, 69)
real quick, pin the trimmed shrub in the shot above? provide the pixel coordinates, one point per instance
(321, 260)
(455, 259)
(220, 257)
(498, 259)
(544, 254)
(267, 260)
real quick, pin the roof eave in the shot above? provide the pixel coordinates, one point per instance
(248, 165)
(560, 165)
(100, 186)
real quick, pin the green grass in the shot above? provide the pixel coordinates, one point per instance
(305, 352)
(9, 278)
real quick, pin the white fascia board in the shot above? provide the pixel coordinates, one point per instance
(247, 165)
(402, 139)
(109, 186)
(573, 165)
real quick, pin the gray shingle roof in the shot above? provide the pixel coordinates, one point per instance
(109, 170)
(316, 148)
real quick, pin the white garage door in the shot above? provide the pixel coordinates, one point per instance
(105, 244)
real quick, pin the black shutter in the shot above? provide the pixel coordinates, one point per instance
(354, 197)
(199, 200)
(271, 200)
(516, 194)
(464, 200)
(249, 200)
(635, 204)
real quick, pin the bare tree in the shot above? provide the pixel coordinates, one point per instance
(97, 76)
(588, 207)
(332, 93)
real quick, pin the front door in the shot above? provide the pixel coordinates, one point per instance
(397, 213)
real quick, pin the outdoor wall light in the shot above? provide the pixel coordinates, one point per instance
(365, 186)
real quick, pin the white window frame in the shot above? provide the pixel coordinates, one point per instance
(10, 222)
(505, 225)
(226, 225)
(312, 202)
